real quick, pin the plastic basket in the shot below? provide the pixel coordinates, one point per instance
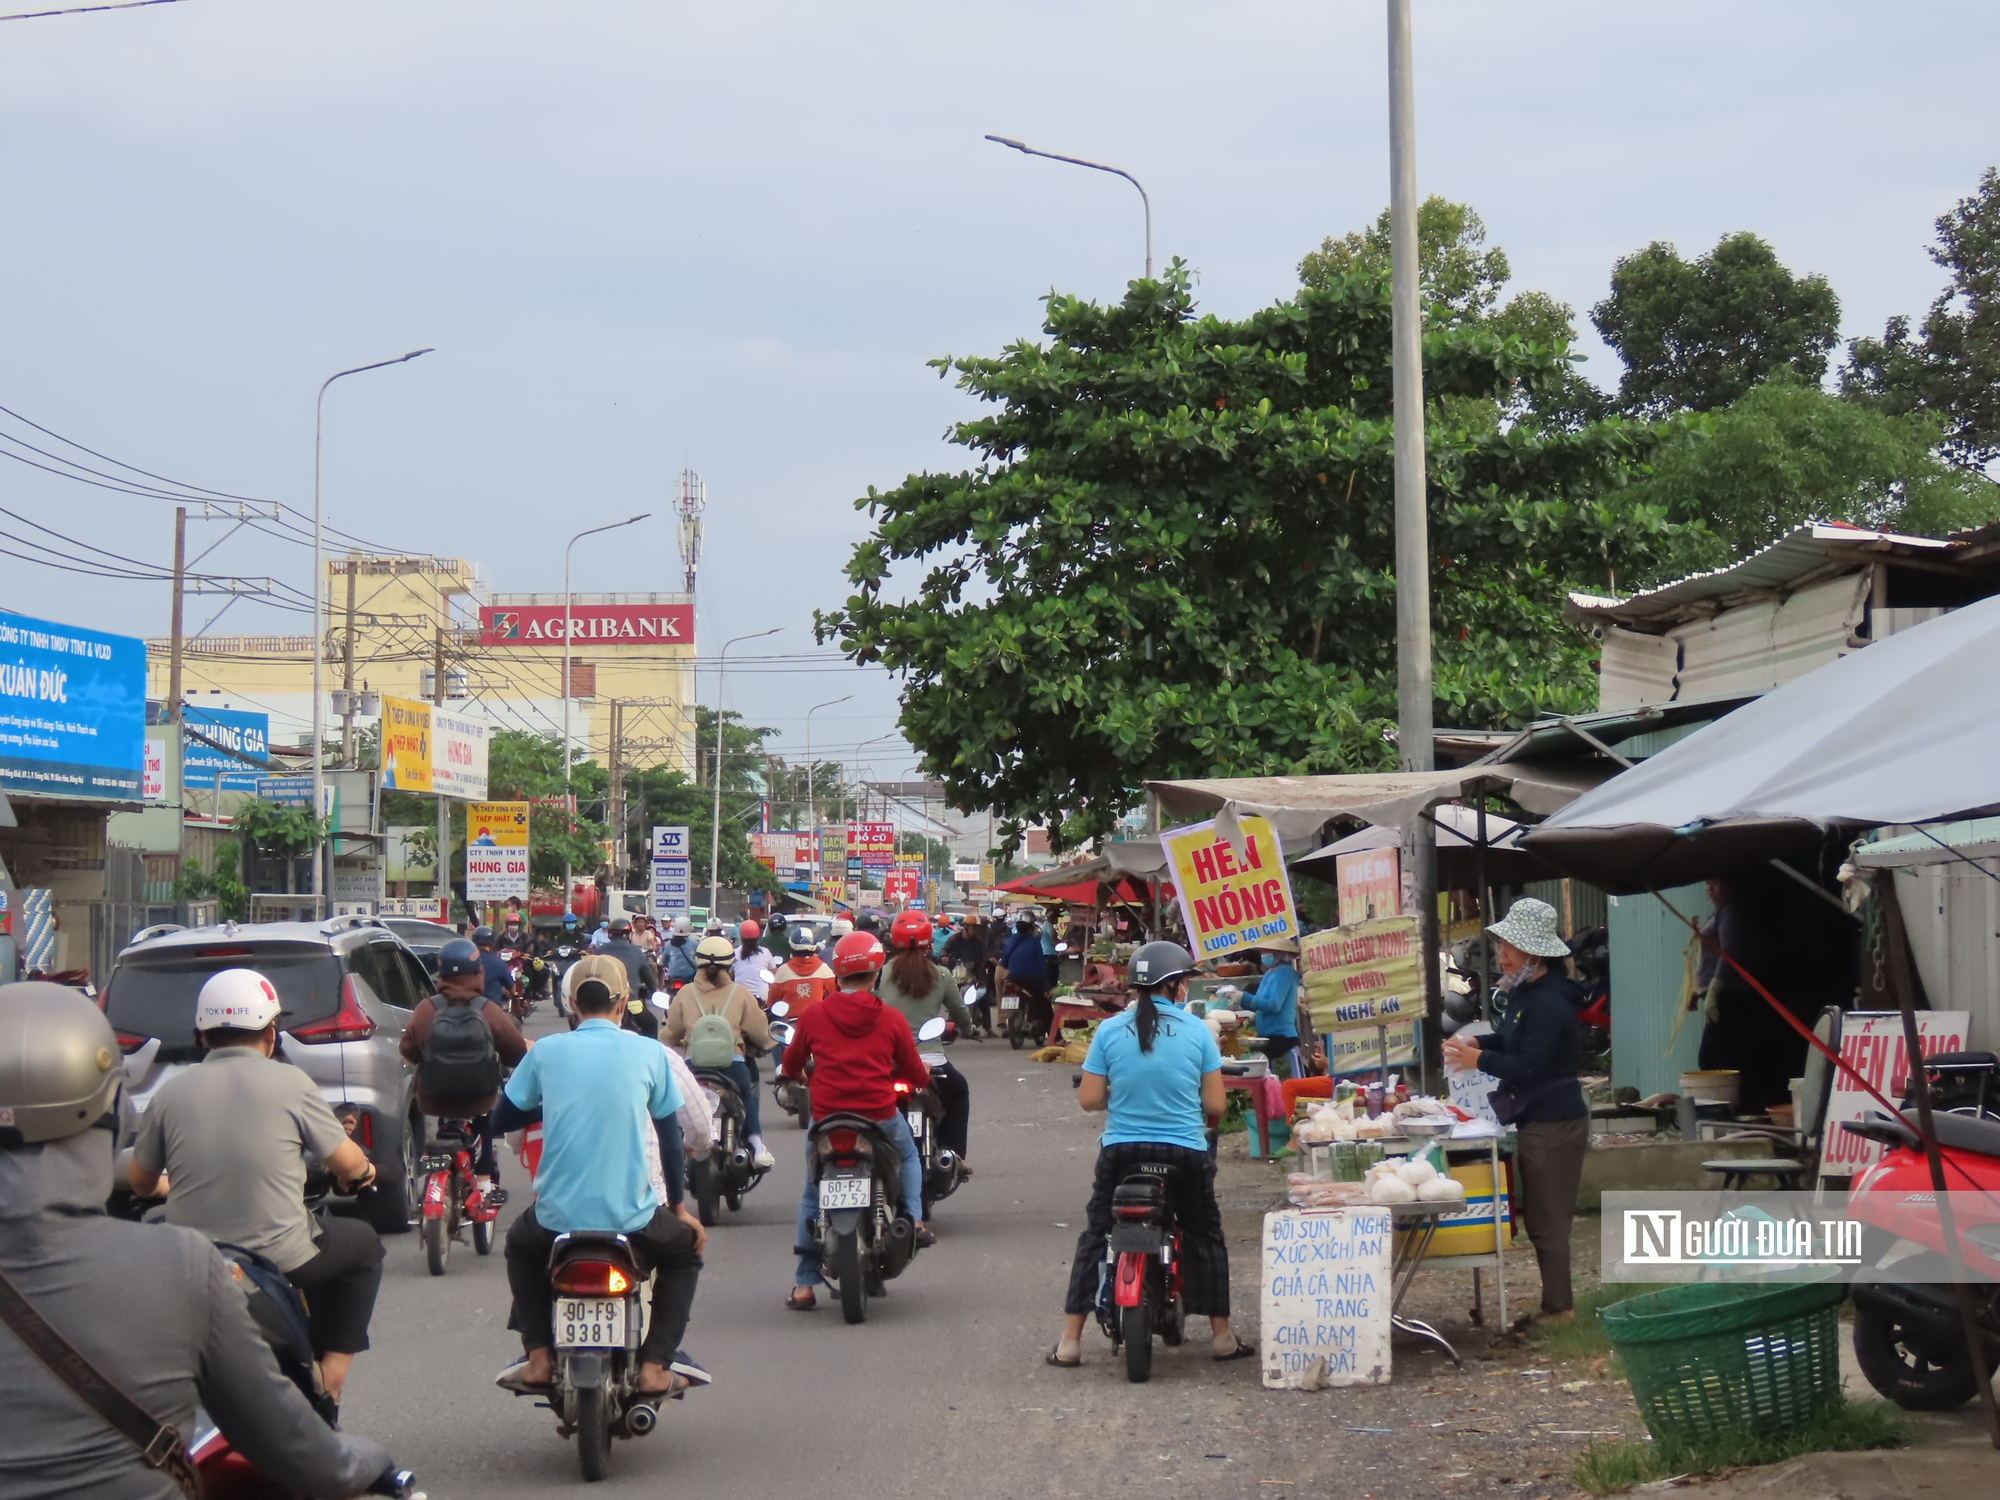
(1718, 1357)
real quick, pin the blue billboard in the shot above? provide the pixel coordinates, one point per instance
(72, 710)
(227, 742)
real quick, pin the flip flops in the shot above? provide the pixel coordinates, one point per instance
(1053, 1358)
(510, 1379)
(1241, 1351)
(792, 1299)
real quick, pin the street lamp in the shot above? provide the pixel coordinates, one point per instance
(715, 828)
(1095, 166)
(812, 806)
(569, 895)
(319, 616)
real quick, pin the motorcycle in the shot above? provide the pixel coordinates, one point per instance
(923, 1110)
(1908, 1335)
(599, 1325)
(526, 975)
(865, 1239)
(1961, 1083)
(1024, 1016)
(1590, 953)
(451, 1197)
(560, 963)
(729, 1171)
(791, 1093)
(1139, 1286)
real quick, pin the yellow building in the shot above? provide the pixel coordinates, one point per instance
(390, 620)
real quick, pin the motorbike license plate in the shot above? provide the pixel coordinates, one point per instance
(590, 1323)
(436, 1161)
(916, 1117)
(932, 1059)
(1010, 1002)
(845, 1192)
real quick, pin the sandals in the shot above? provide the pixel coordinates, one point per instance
(1053, 1358)
(511, 1379)
(1241, 1351)
(794, 1304)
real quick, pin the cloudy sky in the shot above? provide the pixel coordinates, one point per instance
(645, 235)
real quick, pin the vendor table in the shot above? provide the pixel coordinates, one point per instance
(1267, 1104)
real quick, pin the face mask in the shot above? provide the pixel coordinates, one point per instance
(1269, 960)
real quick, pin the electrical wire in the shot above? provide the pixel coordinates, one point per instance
(84, 10)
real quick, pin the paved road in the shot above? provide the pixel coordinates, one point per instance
(941, 1391)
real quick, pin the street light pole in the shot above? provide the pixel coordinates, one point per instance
(569, 795)
(319, 609)
(1413, 579)
(715, 828)
(1095, 166)
(812, 805)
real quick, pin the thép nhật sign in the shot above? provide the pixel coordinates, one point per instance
(496, 850)
(406, 745)
(1232, 896)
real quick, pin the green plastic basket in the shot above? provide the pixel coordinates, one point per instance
(1722, 1357)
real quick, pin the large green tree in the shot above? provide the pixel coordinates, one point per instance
(1950, 367)
(1696, 335)
(1172, 554)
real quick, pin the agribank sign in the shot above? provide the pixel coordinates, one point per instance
(605, 624)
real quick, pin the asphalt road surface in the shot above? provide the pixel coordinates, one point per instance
(942, 1392)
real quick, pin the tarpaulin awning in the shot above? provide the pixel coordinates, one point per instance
(1092, 882)
(1903, 731)
(1507, 863)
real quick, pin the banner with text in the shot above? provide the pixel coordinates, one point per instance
(671, 872)
(1872, 1043)
(872, 846)
(1366, 974)
(1370, 883)
(496, 850)
(458, 755)
(406, 745)
(1232, 896)
(72, 711)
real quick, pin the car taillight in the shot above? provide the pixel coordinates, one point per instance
(130, 1042)
(591, 1278)
(348, 1024)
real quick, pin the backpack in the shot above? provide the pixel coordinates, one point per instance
(712, 1040)
(460, 1063)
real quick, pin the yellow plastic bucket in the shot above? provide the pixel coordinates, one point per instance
(1469, 1230)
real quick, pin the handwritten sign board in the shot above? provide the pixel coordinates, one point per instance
(1366, 974)
(1233, 896)
(1326, 1296)
(1872, 1043)
(1471, 1089)
(1370, 882)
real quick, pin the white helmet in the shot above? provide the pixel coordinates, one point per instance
(682, 927)
(241, 999)
(841, 927)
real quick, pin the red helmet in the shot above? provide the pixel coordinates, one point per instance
(857, 953)
(749, 931)
(911, 929)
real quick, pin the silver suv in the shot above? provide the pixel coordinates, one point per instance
(348, 987)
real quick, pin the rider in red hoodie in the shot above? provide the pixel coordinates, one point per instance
(859, 1049)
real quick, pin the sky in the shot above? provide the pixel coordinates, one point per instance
(643, 236)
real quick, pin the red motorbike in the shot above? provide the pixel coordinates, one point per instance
(1908, 1336)
(1140, 1292)
(451, 1195)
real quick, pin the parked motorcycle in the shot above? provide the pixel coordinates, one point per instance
(791, 1093)
(943, 1172)
(1961, 1083)
(599, 1325)
(1590, 953)
(451, 1196)
(730, 1170)
(865, 1238)
(1139, 1288)
(1908, 1336)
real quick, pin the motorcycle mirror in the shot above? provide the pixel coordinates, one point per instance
(972, 995)
(781, 1007)
(661, 1000)
(930, 1031)
(1062, 947)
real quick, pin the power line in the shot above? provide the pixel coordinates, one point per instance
(84, 10)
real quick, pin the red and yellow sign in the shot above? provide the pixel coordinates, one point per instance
(406, 745)
(1233, 896)
(1366, 974)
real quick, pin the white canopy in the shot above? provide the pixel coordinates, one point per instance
(1906, 730)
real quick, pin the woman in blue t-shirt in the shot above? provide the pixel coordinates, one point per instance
(1157, 1073)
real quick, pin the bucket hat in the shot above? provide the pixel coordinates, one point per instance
(1531, 926)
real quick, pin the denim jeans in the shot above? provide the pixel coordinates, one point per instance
(898, 1130)
(745, 1074)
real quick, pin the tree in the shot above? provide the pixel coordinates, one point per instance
(1174, 555)
(1951, 368)
(1696, 335)
(1787, 453)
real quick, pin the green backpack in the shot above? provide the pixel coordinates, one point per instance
(712, 1040)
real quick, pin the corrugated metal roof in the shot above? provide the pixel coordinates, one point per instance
(1789, 559)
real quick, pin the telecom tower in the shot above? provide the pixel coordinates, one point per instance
(692, 502)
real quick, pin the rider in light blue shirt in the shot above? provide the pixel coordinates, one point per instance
(1156, 1094)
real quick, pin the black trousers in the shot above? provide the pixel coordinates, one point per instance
(665, 1247)
(1191, 1191)
(1549, 1156)
(340, 1284)
(955, 1094)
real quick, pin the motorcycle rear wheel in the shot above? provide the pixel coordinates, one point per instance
(593, 1432)
(1139, 1339)
(852, 1274)
(482, 1236)
(437, 1243)
(1903, 1369)
(707, 1195)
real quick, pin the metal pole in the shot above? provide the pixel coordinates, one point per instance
(347, 670)
(1095, 166)
(812, 807)
(1413, 591)
(443, 866)
(569, 792)
(319, 607)
(176, 649)
(715, 828)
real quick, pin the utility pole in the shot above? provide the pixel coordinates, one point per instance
(614, 812)
(1413, 578)
(443, 802)
(347, 671)
(176, 647)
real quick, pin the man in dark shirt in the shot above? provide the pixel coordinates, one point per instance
(639, 965)
(499, 986)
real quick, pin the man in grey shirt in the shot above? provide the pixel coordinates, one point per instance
(152, 1307)
(228, 1142)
